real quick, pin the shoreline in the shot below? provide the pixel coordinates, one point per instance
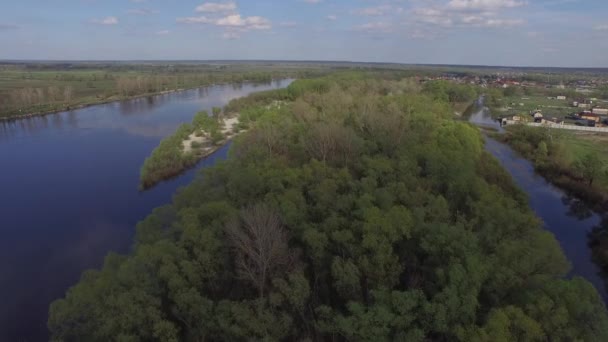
(190, 155)
(107, 101)
(198, 159)
(86, 105)
(595, 199)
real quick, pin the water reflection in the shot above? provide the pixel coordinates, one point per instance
(598, 242)
(141, 105)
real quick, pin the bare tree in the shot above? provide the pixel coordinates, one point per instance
(53, 93)
(67, 94)
(260, 244)
(40, 98)
(321, 141)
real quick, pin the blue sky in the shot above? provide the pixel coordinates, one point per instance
(571, 33)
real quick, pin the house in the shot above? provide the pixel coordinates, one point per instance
(584, 105)
(587, 115)
(575, 104)
(510, 120)
(600, 111)
(561, 97)
(538, 117)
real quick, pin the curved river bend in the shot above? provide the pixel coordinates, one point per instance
(564, 216)
(68, 193)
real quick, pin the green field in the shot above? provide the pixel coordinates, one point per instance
(522, 105)
(582, 143)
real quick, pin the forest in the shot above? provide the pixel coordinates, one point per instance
(358, 211)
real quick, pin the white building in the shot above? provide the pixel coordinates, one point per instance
(600, 111)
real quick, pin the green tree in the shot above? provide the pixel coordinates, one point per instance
(542, 152)
(590, 167)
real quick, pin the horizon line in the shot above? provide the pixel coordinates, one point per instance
(286, 61)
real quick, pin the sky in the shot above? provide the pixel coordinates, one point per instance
(560, 33)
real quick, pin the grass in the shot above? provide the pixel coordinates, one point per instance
(549, 107)
(577, 144)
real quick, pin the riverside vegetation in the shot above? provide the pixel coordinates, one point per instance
(575, 162)
(185, 147)
(357, 210)
(29, 89)
(173, 155)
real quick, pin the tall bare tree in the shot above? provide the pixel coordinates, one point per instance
(67, 94)
(260, 245)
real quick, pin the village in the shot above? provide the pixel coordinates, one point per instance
(584, 113)
(577, 102)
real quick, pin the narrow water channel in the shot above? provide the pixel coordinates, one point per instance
(560, 212)
(69, 193)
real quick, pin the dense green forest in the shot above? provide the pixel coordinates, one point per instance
(360, 210)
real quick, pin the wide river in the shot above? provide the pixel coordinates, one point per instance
(69, 193)
(564, 216)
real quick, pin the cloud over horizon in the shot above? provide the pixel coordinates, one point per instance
(516, 32)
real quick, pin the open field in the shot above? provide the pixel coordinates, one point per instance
(522, 105)
(579, 144)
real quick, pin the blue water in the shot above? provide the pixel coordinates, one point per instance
(564, 216)
(69, 193)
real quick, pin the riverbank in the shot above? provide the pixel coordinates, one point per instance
(206, 134)
(565, 160)
(109, 100)
(90, 104)
(187, 146)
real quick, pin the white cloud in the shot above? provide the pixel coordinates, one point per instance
(216, 7)
(163, 32)
(375, 27)
(313, 1)
(467, 13)
(231, 21)
(331, 17)
(248, 23)
(483, 4)
(373, 11)
(105, 21)
(226, 17)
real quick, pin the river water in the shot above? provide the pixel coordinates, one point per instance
(564, 216)
(69, 193)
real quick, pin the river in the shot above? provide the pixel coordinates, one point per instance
(69, 193)
(564, 216)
